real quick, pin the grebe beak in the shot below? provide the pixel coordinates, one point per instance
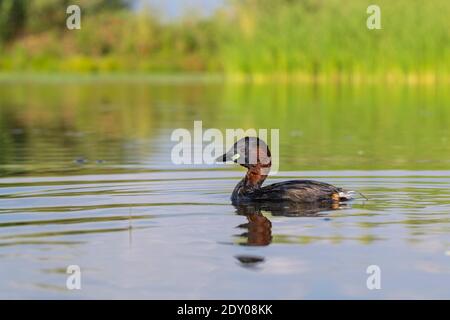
(228, 157)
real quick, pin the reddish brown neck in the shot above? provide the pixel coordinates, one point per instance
(255, 176)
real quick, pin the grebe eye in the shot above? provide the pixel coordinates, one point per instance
(235, 157)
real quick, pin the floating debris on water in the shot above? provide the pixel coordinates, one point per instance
(80, 160)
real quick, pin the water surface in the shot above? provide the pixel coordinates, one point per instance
(86, 179)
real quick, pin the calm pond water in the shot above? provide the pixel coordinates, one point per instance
(86, 179)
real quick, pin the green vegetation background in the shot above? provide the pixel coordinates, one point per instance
(318, 39)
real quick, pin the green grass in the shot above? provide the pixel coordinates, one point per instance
(250, 40)
(330, 38)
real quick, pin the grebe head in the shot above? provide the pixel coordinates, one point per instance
(249, 152)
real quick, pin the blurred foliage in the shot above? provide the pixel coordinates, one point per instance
(46, 15)
(325, 39)
(12, 18)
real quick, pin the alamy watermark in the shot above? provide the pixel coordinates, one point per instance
(73, 281)
(374, 20)
(374, 280)
(73, 21)
(204, 146)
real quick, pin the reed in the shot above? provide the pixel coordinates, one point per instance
(249, 40)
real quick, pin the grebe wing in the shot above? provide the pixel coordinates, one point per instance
(299, 191)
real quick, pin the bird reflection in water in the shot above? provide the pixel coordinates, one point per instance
(259, 227)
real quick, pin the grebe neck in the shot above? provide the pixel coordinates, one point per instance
(252, 181)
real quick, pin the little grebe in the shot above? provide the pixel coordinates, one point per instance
(254, 154)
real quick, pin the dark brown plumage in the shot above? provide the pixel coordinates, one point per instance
(253, 154)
